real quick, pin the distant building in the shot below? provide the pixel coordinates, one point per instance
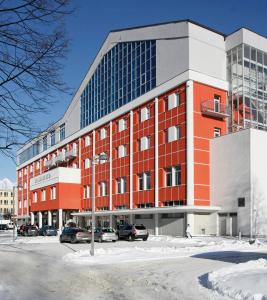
(168, 104)
(6, 202)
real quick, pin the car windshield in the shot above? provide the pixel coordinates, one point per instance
(140, 227)
(107, 230)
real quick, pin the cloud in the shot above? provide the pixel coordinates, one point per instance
(6, 184)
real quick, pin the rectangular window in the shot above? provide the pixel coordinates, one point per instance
(173, 101)
(217, 103)
(121, 185)
(45, 143)
(20, 206)
(62, 132)
(121, 151)
(121, 125)
(43, 195)
(173, 176)
(217, 132)
(53, 137)
(103, 133)
(102, 188)
(87, 163)
(86, 191)
(35, 197)
(144, 181)
(144, 143)
(173, 134)
(53, 192)
(25, 203)
(241, 202)
(87, 141)
(144, 114)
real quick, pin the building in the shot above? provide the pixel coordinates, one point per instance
(158, 100)
(6, 202)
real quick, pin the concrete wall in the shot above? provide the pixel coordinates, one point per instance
(204, 224)
(238, 166)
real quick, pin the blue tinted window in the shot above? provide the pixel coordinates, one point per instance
(127, 71)
(53, 137)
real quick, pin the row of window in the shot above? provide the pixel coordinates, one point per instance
(6, 202)
(173, 100)
(6, 210)
(53, 196)
(173, 178)
(6, 194)
(43, 144)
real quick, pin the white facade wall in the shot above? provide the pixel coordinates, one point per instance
(238, 169)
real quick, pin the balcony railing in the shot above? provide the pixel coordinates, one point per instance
(71, 154)
(60, 158)
(50, 163)
(215, 109)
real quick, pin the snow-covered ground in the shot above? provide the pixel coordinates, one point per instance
(242, 281)
(161, 268)
(159, 248)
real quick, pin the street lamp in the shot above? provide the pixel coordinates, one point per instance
(96, 159)
(14, 188)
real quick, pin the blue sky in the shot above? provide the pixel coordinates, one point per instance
(89, 25)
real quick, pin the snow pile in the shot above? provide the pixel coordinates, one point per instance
(121, 255)
(241, 281)
(6, 238)
(6, 184)
(156, 249)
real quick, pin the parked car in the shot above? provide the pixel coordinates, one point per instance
(28, 230)
(48, 230)
(74, 235)
(133, 232)
(3, 227)
(105, 234)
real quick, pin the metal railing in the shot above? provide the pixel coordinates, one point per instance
(71, 154)
(215, 109)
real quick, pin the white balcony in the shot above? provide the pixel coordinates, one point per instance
(71, 154)
(50, 163)
(57, 175)
(61, 158)
(215, 109)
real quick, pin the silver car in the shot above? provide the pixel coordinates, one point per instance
(105, 234)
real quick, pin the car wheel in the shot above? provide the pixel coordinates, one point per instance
(44, 233)
(100, 240)
(61, 240)
(73, 240)
(145, 239)
(131, 237)
(113, 241)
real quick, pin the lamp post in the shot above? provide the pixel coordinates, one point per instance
(96, 159)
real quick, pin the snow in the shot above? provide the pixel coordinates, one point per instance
(164, 266)
(6, 184)
(159, 248)
(241, 281)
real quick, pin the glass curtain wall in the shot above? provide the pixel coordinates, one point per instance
(247, 75)
(126, 72)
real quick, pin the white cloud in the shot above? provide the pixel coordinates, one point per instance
(6, 184)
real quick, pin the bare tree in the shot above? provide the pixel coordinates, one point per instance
(32, 45)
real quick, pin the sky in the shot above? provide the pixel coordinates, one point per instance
(89, 25)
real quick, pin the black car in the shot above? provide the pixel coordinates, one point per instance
(28, 230)
(3, 227)
(48, 230)
(74, 235)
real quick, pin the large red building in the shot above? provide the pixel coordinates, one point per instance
(152, 100)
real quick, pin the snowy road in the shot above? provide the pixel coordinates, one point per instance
(34, 268)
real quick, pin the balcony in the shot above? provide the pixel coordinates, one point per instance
(50, 163)
(215, 109)
(71, 154)
(60, 158)
(54, 176)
